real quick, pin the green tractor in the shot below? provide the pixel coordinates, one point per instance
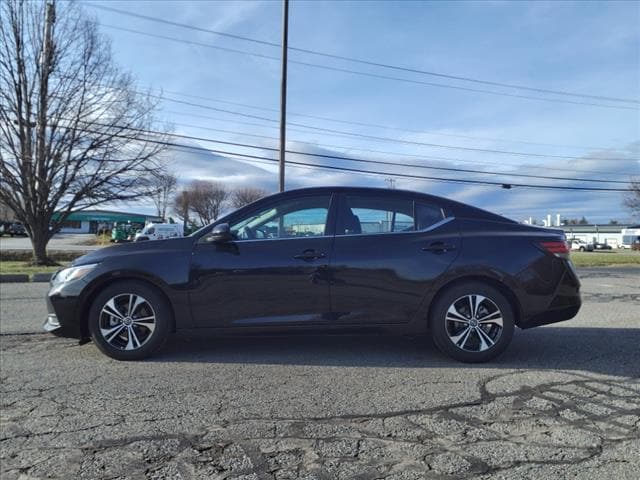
(119, 233)
(124, 232)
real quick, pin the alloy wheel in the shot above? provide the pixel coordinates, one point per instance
(127, 321)
(474, 323)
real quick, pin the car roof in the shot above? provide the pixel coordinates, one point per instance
(356, 189)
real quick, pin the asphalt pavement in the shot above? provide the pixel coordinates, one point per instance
(562, 402)
(62, 242)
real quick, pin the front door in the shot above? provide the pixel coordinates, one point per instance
(274, 272)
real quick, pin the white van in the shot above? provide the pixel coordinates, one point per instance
(630, 237)
(159, 231)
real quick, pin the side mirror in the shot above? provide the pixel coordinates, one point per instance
(220, 233)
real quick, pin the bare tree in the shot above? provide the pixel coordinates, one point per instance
(163, 184)
(181, 207)
(6, 214)
(73, 128)
(207, 199)
(245, 196)
(632, 199)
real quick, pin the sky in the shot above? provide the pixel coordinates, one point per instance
(590, 48)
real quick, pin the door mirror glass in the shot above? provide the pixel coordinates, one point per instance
(220, 233)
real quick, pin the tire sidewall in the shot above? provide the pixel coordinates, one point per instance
(160, 307)
(437, 322)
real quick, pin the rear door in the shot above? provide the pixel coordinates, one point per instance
(388, 251)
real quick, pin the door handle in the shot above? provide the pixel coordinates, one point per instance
(309, 255)
(439, 247)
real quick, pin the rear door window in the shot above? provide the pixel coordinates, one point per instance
(368, 214)
(427, 215)
(364, 214)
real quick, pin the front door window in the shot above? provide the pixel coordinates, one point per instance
(293, 218)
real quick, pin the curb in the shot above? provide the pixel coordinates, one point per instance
(14, 278)
(41, 277)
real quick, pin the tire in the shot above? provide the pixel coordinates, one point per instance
(582, 249)
(111, 324)
(469, 339)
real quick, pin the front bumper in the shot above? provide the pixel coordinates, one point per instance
(63, 311)
(51, 324)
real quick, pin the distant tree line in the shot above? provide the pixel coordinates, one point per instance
(201, 202)
(575, 221)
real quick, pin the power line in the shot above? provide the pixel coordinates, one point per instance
(394, 174)
(387, 139)
(452, 169)
(368, 74)
(367, 62)
(372, 137)
(386, 127)
(333, 167)
(369, 150)
(382, 139)
(381, 162)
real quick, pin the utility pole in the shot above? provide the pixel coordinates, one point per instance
(283, 89)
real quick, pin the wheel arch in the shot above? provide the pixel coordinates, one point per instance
(104, 282)
(497, 284)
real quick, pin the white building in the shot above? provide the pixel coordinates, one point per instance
(609, 234)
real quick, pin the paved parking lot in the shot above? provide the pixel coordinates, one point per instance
(563, 402)
(60, 242)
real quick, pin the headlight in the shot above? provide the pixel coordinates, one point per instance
(73, 273)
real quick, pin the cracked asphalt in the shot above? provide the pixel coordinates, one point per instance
(562, 402)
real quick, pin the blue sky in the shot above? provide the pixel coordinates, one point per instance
(585, 47)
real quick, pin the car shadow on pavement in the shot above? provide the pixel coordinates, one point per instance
(610, 351)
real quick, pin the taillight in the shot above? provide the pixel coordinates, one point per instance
(558, 248)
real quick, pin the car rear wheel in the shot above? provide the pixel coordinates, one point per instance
(472, 322)
(129, 320)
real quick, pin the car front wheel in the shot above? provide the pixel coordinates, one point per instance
(472, 322)
(129, 320)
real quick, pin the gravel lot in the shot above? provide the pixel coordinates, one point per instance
(563, 402)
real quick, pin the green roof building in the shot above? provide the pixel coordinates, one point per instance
(90, 221)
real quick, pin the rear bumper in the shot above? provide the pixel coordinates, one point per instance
(552, 316)
(564, 304)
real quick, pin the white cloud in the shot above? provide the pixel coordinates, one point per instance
(518, 202)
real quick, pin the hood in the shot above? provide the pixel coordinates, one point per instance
(133, 248)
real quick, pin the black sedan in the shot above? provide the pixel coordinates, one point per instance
(325, 260)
